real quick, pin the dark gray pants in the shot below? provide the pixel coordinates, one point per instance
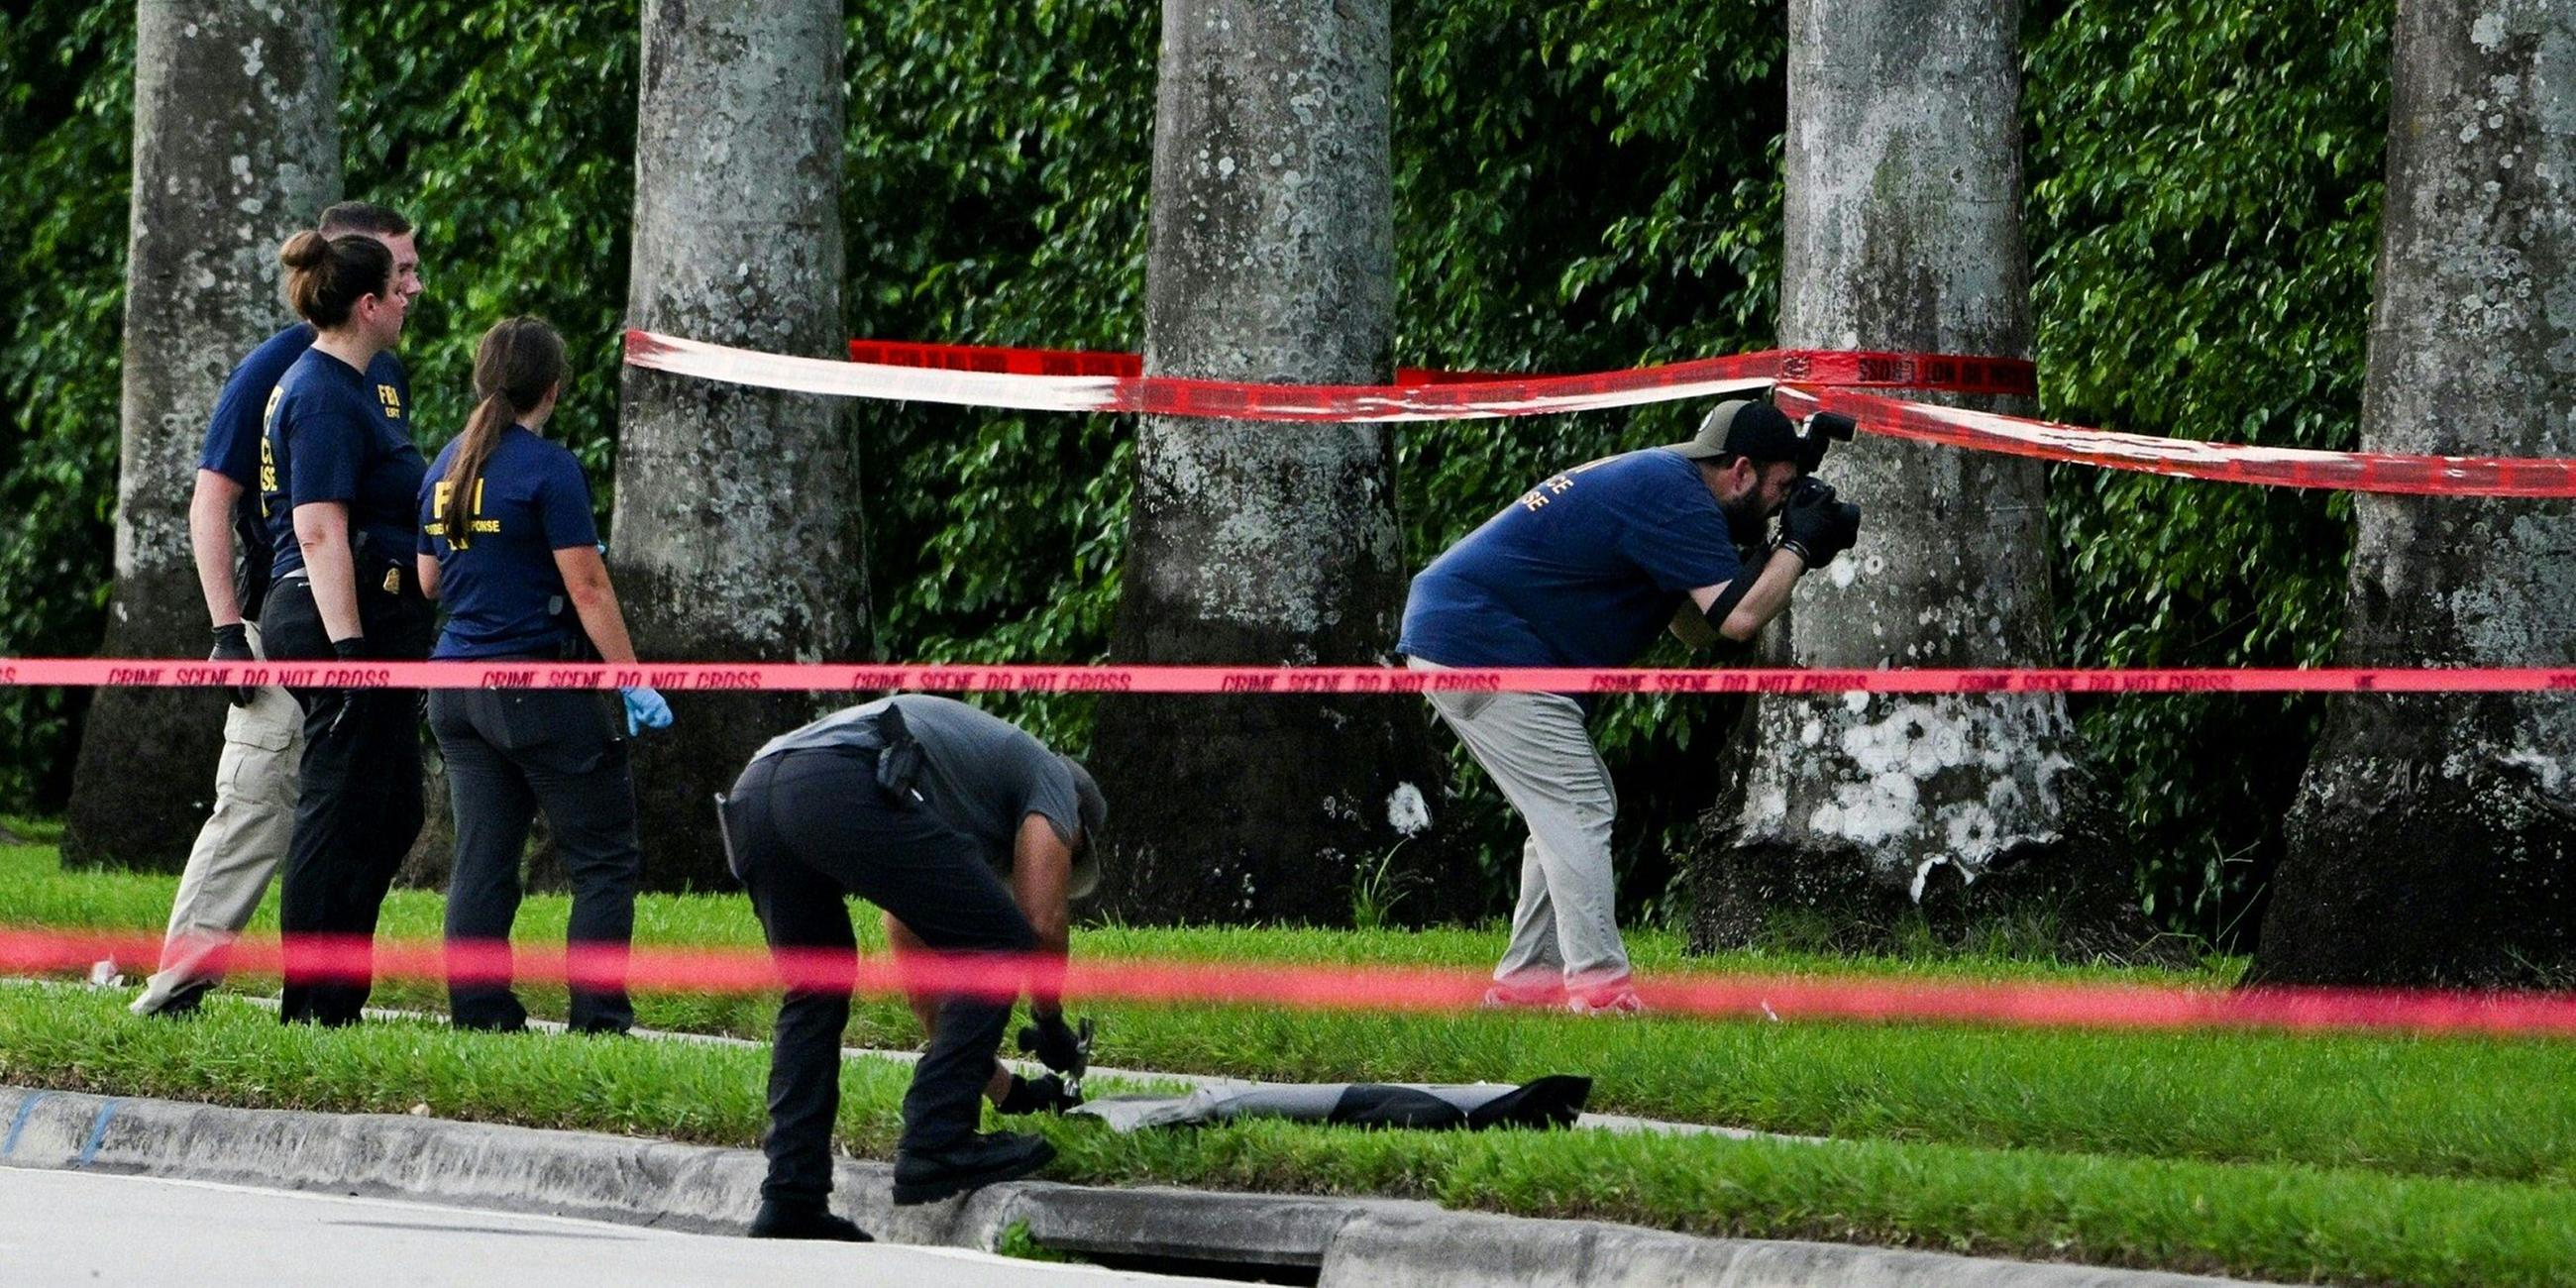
(810, 828)
(510, 754)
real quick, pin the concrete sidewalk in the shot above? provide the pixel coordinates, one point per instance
(1334, 1242)
(77, 1227)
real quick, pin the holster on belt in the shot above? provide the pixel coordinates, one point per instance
(727, 819)
(573, 639)
(898, 755)
(381, 573)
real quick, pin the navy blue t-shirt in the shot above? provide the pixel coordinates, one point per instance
(1582, 570)
(337, 435)
(241, 410)
(502, 590)
(233, 437)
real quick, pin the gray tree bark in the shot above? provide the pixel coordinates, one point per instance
(734, 534)
(236, 145)
(1272, 259)
(1904, 232)
(2434, 841)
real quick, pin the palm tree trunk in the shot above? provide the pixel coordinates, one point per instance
(236, 145)
(735, 534)
(1272, 260)
(1904, 232)
(2434, 841)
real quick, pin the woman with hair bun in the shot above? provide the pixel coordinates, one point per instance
(338, 474)
(506, 542)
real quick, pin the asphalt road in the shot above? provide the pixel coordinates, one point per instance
(89, 1228)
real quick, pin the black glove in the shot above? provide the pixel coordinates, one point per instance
(348, 651)
(1817, 524)
(1037, 1096)
(1053, 1042)
(232, 644)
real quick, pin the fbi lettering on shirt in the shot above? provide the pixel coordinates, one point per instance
(437, 525)
(390, 399)
(267, 453)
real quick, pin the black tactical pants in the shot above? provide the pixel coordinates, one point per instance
(509, 754)
(357, 805)
(808, 829)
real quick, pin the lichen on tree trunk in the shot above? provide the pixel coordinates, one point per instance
(1271, 260)
(1904, 232)
(734, 535)
(2434, 840)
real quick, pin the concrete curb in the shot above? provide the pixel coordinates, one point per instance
(1473, 1250)
(1347, 1243)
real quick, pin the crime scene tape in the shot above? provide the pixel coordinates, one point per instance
(2546, 477)
(1074, 362)
(1079, 380)
(1948, 373)
(1233, 400)
(26, 950)
(813, 677)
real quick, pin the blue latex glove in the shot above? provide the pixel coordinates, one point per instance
(645, 709)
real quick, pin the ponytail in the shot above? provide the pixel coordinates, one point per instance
(518, 361)
(465, 473)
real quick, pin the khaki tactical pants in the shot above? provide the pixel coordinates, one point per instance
(1539, 753)
(239, 848)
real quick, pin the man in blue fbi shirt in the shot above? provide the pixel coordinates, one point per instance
(1585, 570)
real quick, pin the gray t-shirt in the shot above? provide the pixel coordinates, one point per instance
(981, 774)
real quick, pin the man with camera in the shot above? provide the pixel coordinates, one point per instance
(1584, 570)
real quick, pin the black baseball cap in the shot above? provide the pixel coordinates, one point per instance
(1756, 431)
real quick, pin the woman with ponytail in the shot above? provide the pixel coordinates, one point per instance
(337, 475)
(507, 544)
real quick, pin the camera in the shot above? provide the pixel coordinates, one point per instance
(1809, 489)
(1819, 431)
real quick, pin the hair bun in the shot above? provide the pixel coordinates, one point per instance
(304, 250)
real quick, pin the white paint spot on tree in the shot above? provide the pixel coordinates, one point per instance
(1406, 811)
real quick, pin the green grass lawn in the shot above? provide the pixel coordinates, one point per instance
(2365, 1159)
(2266, 1220)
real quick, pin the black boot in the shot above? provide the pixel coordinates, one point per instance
(784, 1220)
(929, 1175)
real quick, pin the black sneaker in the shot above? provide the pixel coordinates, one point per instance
(929, 1175)
(804, 1221)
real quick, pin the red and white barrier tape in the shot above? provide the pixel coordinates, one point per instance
(1026, 383)
(1948, 373)
(816, 677)
(2226, 462)
(1077, 380)
(1354, 988)
(1075, 362)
